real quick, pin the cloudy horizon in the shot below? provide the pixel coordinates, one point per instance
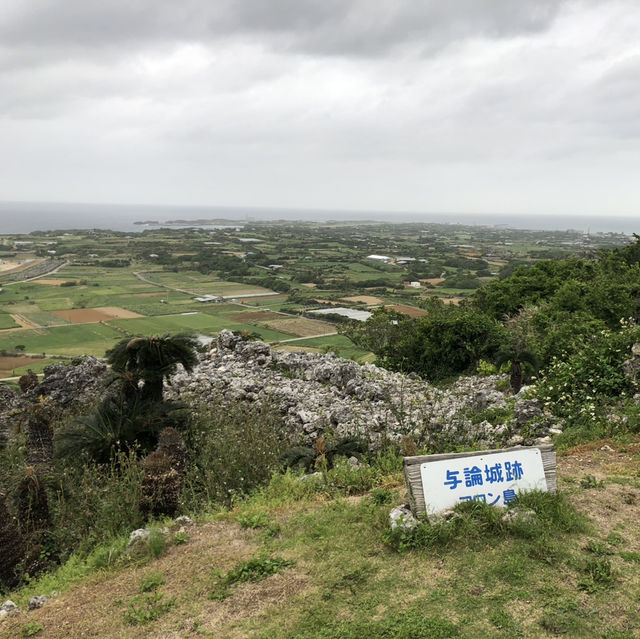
(471, 106)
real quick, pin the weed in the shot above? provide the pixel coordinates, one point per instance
(598, 575)
(157, 542)
(145, 608)
(598, 548)
(615, 539)
(180, 538)
(589, 481)
(381, 496)
(630, 556)
(31, 629)
(255, 569)
(151, 582)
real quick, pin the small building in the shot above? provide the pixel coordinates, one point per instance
(379, 258)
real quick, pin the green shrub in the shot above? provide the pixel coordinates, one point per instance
(235, 448)
(157, 542)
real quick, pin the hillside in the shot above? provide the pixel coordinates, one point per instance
(347, 582)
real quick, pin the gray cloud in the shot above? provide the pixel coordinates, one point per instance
(458, 105)
(329, 27)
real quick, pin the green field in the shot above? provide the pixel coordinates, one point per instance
(78, 339)
(6, 321)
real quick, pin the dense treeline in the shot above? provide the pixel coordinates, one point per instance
(548, 308)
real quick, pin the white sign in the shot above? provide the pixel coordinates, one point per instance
(494, 478)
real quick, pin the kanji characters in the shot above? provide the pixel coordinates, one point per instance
(452, 479)
(493, 473)
(508, 495)
(472, 476)
(513, 470)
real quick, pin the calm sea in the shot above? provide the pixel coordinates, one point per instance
(25, 217)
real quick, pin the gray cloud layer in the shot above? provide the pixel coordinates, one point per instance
(528, 105)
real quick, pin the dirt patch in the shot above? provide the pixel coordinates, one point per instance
(410, 311)
(8, 364)
(83, 315)
(309, 284)
(434, 281)
(366, 299)
(612, 506)
(452, 300)
(118, 313)
(255, 316)
(94, 315)
(95, 608)
(8, 266)
(301, 326)
(23, 321)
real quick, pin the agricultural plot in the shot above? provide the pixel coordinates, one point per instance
(81, 339)
(200, 284)
(300, 326)
(194, 322)
(338, 344)
(6, 321)
(12, 366)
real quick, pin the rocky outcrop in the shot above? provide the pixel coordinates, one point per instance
(64, 384)
(325, 396)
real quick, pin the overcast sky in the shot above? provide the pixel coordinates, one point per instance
(506, 106)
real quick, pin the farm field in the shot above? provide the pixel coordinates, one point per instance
(103, 285)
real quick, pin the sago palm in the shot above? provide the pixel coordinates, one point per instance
(152, 360)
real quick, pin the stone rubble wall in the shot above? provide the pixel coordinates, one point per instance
(326, 396)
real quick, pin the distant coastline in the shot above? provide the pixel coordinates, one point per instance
(26, 217)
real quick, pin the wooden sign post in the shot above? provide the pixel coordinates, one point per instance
(439, 482)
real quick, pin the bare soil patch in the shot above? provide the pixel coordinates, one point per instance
(309, 284)
(410, 311)
(301, 327)
(8, 364)
(51, 282)
(23, 322)
(95, 608)
(434, 281)
(83, 315)
(452, 300)
(8, 266)
(118, 313)
(366, 299)
(94, 315)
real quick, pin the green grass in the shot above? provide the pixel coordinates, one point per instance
(193, 321)
(87, 339)
(6, 321)
(339, 344)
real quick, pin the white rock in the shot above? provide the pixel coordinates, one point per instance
(9, 609)
(139, 535)
(38, 601)
(402, 517)
(183, 520)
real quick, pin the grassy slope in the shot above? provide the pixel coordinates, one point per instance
(347, 583)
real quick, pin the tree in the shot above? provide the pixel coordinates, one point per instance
(152, 360)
